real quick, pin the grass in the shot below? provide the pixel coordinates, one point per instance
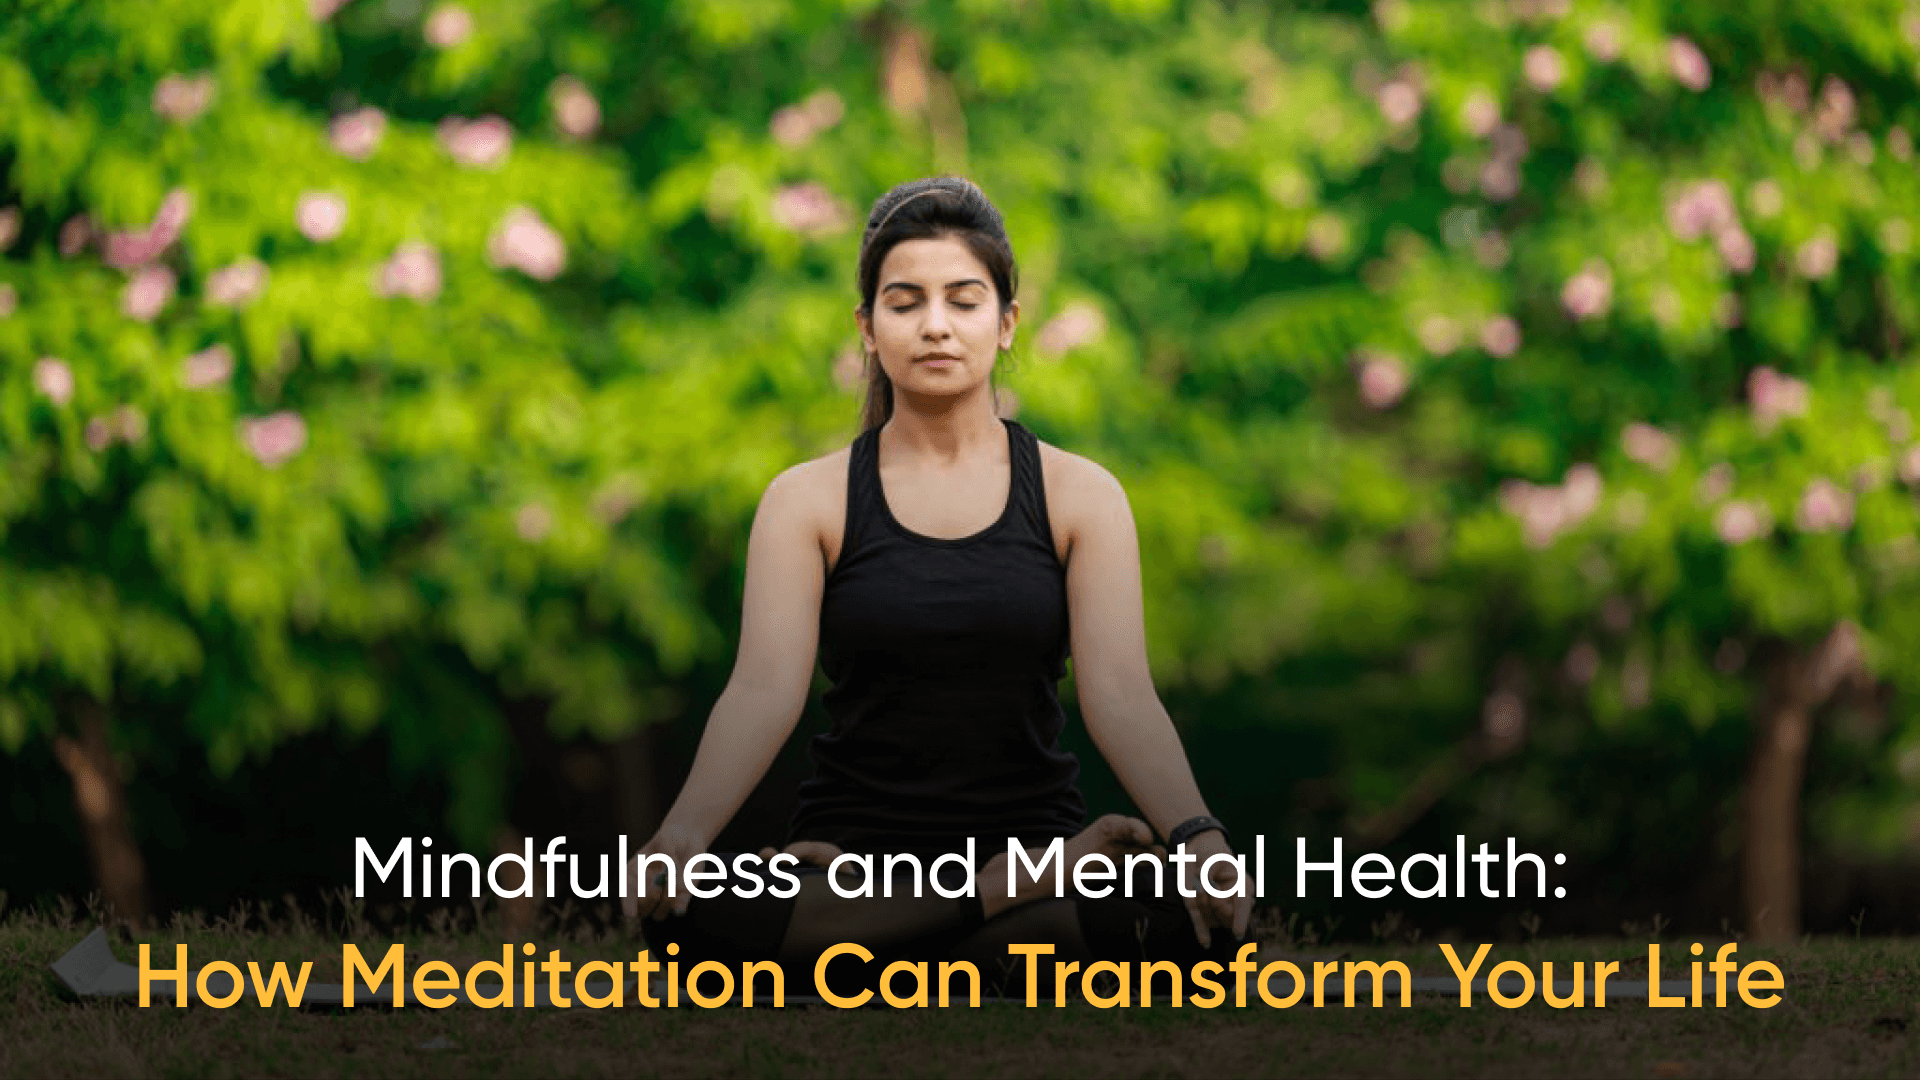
(1850, 1011)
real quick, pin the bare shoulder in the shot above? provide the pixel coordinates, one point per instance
(810, 498)
(1081, 495)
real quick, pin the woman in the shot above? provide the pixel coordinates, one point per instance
(943, 565)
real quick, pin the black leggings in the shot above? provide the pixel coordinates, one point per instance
(794, 931)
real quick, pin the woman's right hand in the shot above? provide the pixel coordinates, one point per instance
(651, 899)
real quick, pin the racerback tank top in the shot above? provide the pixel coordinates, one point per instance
(943, 655)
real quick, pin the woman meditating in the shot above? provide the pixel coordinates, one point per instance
(944, 566)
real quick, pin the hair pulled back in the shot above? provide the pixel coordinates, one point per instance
(922, 210)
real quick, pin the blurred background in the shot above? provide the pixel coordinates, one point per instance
(1516, 398)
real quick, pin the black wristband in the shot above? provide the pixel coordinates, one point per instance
(1193, 827)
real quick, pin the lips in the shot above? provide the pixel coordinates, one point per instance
(936, 357)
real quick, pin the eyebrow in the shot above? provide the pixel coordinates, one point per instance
(916, 288)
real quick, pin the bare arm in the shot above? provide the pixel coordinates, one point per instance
(1123, 711)
(779, 630)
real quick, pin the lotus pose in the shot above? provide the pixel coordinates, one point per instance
(943, 567)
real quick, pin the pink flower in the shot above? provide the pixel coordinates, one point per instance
(1602, 40)
(447, 26)
(274, 438)
(237, 284)
(1383, 379)
(1834, 114)
(1438, 335)
(209, 367)
(1399, 102)
(1480, 114)
(1701, 207)
(126, 249)
(796, 125)
(99, 434)
(1492, 249)
(414, 270)
(1736, 249)
(322, 10)
(129, 423)
(1727, 311)
(147, 293)
(479, 143)
(1824, 507)
(1079, 323)
(1582, 663)
(9, 226)
(1503, 716)
(357, 134)
(181, 98)
(1773, 396)
(809, 208)
(1715, 484)
(320, 215)
(576, 112)
(53, 378)
(74, 235)
(1818, 256)
(522, 240)
(1499, 180)
(1648, 445)
(1689, 64)
(1910, 465)
(1327, 236)
(617, 498)
(1500, 336)
(532, 522)
(1543, 68)
(1589, 293)
(1741, 520)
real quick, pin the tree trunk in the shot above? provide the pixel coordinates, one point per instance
(101, 800)
(1799, 682)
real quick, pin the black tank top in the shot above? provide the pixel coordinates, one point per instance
(944, 655)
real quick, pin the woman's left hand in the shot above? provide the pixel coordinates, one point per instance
(1210, 911)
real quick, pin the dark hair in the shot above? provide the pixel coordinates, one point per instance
(922, 210)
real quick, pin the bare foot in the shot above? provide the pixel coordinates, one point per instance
(1114, 836)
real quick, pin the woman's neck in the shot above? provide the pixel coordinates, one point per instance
(947, 427)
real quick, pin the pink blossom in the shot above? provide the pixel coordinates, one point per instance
(126, 249)
(1439, 335)
(532, 521)
(181, 98)
(274, 438)
(1648, 445)
(414, 270)
(796, 125)
(1833, 115)
(1491, 249)
(1860, 148)
(9, 226)
(1079, 323)
(1399, 102)
(9, 301)
(616, 499)
(1383, 379)
(74, 235)
(1818, 256)
(1480, 113)
(147, 293)
(1499, 180)
(1899, 144)
(849, 369)
(322, 10)
(53, 378)
(237, 284)
(1727, 310)
(447, 26)
(1773, 396)
(1742, 520)
(129, 424)
(320, 215)
(1327, 236)
(480, 143)
(1700, 208)
(1543, 68)
(1824, 507)
(1602, 40)
(523, 241)
(1715, 484)
(1503, 716)
(357, 134)
(1546, 510)
(209, 367)
(99, 434)
(1736, 248)
(1509, 143)
(809, 208)
(576, 112)
(1500, 336)
(1589, 293)
(1689, 64)
(1636, 681)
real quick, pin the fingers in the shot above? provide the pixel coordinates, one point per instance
(814, 852)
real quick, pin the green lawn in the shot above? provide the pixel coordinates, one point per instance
(1850, 1011)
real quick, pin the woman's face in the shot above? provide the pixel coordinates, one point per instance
(936, 323)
